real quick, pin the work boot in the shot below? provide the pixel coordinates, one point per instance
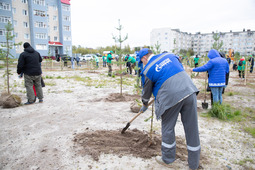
(40, 100)
(28, 103)
(160, 161)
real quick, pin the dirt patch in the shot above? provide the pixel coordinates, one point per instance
(201, 96)
(116, 97)
(132, 142)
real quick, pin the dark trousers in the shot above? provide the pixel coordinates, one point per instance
(188, 109)
(29, 82)
(241, 73)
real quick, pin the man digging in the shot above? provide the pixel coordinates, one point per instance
(165, 78)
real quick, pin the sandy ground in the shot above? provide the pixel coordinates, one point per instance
(44, 135)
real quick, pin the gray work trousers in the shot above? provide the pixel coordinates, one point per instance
(29, 82)
(188, 110)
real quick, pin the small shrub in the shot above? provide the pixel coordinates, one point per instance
(230, 94)
(220, 111)
(224, 112)
(48, 77)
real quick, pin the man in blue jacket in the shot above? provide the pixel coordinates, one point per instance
(174, 92)
(217, 68)
(29, 63)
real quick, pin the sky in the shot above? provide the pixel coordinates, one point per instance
(94, 22)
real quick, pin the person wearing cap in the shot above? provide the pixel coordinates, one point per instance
(241, 68)
(109, 63)
(174, 93)
(196, 61)
(217, 68)
(29, 63)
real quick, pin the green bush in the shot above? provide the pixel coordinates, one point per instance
(224, 112)
(220, 111)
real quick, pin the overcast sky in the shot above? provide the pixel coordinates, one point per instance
(95, 21)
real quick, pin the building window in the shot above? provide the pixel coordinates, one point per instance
(17, 47)
(67, 38)
(26, 36)
(4, 19)
(16, 35)
(24, 1)
(41, 46)
(65, 7)
(4, 44)
(14, 10)
(55, 18)
(55, 7)
(40, 36)
(55, 28)
(66, 28)
(66, 18)
(55, 38)
(5, 6)
(24, 12)
(39, 13)
(2, 31)
(25, 24)
(40, 25)
(39, 2)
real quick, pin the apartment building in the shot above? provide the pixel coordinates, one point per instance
(173, 40)
(45, 24)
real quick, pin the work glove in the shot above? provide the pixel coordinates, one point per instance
(143, 108)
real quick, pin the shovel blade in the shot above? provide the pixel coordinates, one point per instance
(205, 105)
(125, 128)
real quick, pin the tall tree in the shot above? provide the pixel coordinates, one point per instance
(120, 40)
(217, 43)
(6, 50)
(157, 48)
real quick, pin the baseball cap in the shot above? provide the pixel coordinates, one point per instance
(143, 52)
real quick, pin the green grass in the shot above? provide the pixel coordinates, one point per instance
(227, 113)
(231, 93)
(68, 91)
(245, 160)
(50, 83)
(48, 77)
(250, 130)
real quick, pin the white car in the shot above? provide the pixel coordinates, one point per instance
(87, 57)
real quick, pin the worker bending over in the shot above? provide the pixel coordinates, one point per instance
(174, 92)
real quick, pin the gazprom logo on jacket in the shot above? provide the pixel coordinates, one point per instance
(162, 64)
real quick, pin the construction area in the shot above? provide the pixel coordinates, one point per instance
(79, 124)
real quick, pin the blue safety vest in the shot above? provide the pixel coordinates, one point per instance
(160, 68)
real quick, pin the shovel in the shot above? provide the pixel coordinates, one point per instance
(128, 124)
(205, 104)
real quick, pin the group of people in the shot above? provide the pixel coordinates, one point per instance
(240, 66)
(130, 63)
(174, 92)
(164, 77)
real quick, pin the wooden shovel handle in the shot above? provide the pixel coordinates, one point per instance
(141, 111)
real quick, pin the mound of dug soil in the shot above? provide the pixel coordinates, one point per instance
(116, 97)
(132, 142)
(9, 100)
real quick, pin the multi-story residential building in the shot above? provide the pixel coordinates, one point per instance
(45, 24)
(173, 40)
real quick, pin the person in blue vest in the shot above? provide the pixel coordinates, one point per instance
(217, 68)
(174, 93)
